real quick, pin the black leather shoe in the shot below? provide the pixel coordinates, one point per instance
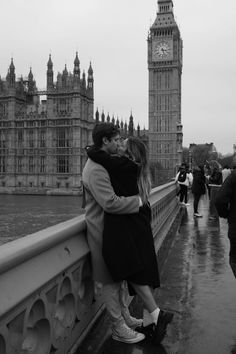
(164, 319)
(147, 330)
(157, 332)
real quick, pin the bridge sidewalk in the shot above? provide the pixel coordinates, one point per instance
(197, 285)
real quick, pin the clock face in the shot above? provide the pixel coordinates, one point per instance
(162, 50)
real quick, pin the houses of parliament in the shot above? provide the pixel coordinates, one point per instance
(42, 141)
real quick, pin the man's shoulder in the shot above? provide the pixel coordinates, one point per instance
(92, 168)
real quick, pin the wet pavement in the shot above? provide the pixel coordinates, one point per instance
(197, 285)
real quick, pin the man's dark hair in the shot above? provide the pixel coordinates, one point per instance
(103, 130)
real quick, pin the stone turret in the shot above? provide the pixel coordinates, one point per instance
(131, 125)
(11, 76)
(50, 84)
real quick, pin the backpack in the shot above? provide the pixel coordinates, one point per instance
(182, 176)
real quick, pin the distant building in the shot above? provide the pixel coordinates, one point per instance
(42, 141)
(200, 154)
(126, 129)
(165, 72)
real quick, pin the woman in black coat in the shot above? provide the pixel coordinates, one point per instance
(128, 246)
(198, 188)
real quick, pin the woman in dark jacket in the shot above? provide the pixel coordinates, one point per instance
(225, 203)
(198, 188)
(128, 246)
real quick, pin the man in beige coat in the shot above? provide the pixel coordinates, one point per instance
(100, 197)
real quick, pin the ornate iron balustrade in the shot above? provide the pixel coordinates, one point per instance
(47, 299)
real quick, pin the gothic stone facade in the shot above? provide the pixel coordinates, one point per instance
(165, 70)
(42, 141)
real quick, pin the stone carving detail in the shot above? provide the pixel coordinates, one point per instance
(48, 319)
(37, 326)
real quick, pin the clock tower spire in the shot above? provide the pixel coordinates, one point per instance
(165, 71)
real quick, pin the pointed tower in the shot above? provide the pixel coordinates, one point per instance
(138, 131)
(165, 71)
(50, 74)
(125, 129)
(11, 75)
(117, 123)
(131, 125)
(64, 78)
(76, 72)
(30, 82)
(76, 66)
(97, 116)
(84, 81)
(90, 78)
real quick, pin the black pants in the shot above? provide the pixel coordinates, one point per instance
(183, 193)
(196, 201)
(232, 252)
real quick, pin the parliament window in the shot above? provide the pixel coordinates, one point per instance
(62, 137)
(2, 164)
(42, 164)
(42, 138)
(31, 138)
(19, 164)
(31, 164)
(63, 164)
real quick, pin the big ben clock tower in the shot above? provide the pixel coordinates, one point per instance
(165, 70)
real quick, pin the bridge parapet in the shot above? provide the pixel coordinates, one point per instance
(47, 299)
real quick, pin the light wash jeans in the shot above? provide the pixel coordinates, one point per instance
(117, 300)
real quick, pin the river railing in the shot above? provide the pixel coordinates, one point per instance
(47, 297)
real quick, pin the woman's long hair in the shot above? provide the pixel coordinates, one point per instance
(137, 150)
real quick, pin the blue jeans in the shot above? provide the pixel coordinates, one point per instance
(117, 300)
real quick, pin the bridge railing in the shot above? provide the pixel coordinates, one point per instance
(47, 299)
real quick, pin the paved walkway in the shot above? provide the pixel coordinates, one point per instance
(198, 286)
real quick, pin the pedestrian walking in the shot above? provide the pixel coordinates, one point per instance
(184, 179)
(225, 203)
(215, 181)
(198, 188)
(216, 176)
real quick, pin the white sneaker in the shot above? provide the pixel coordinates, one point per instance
(187, 204)
(133, 322)
(123, 333)
(197, 215)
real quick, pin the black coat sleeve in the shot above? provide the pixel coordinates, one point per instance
(223, 197)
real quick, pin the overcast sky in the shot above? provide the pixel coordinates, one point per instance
(113, 36)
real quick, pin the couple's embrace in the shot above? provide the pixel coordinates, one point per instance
(117, 184)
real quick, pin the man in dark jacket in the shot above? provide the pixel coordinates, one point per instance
(225, 203)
